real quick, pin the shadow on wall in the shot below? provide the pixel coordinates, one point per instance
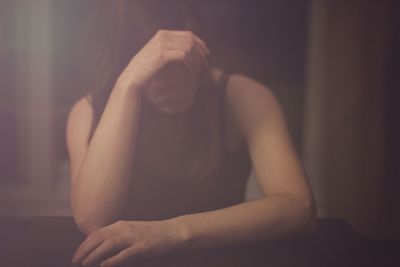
(351, 102)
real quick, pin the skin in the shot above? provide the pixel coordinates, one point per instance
(166, 72)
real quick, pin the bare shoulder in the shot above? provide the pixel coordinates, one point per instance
(242, 88)
(252, 103)
(79, 122)
(244, 91)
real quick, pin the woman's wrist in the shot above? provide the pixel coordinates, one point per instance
(180, 232)
(128, 87)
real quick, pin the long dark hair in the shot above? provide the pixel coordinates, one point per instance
(115, 32)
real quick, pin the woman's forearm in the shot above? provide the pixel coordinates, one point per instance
(100, 187)
(248, 222)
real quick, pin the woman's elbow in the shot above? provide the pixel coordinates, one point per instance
(87, 218)
(308, 222)
(86, 226)
(86, 221)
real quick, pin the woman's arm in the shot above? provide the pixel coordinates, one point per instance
(100, 170)
(288, 206)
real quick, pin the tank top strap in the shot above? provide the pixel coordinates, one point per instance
(221, 88)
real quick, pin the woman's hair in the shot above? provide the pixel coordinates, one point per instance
(115, 32)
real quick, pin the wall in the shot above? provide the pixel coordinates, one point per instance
(344, 134)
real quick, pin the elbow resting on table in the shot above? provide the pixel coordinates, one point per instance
(308, 221)
(85, 221)
(89, 222)
(298, 214)
(88, 217)
(86, 226)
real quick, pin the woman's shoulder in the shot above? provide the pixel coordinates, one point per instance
(247, 99)
(240, 85)
(244, 92)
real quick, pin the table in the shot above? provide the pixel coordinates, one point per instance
(51, 241)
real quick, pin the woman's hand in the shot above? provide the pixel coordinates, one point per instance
(164, 47)
(125, 240)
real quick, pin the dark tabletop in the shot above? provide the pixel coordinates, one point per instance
(334, 244)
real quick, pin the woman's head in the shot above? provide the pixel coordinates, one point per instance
(174, 87)
(119, 30)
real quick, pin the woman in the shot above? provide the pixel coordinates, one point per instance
(162, 144)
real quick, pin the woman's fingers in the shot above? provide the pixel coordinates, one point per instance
(200, 55)
(121, 257)
(189, 34)
(195, 54)
(200, 59)
(101, 251)
(191, 37)
(186, 37)
(87, 246)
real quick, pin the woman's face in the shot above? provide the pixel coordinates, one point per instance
(173, 89)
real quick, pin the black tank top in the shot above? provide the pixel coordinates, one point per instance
(155, 198)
